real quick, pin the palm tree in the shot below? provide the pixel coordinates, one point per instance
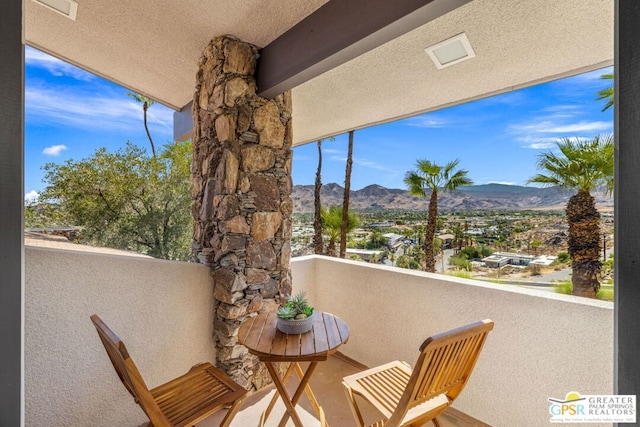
(607, 93)
(146, 103)
(582, 166)
(458, 235)
(345, 198)
(332, 224)
(318, 244)
(431, 178)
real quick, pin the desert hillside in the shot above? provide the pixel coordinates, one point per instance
(488, 196)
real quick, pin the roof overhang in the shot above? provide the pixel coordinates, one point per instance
(153, 47)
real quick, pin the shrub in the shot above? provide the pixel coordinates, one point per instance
(460, 274)
(485, 251)
(563, 257)
(564, 287)
(470, 252)
(460, 262)
(405, 261)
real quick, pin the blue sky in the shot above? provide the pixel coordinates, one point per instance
(70, 113)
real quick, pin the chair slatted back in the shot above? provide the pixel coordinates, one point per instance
(446, 362)
(128, 372)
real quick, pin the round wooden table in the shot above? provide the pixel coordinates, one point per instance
(262, 338)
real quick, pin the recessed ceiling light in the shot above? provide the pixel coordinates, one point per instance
(451, 51)
(68, 8)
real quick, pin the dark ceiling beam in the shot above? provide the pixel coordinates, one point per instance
(337, 32)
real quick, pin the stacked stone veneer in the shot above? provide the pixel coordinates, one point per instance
(241, 196)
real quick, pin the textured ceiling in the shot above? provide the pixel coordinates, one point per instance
(517, 43)
(153, 46)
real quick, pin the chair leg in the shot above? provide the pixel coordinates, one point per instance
(226, 421)
(353, 405)
(435, 422)
(323, 419)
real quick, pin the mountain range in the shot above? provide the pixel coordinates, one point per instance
(486, 196)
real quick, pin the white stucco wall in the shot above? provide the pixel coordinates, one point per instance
(543, 344)
(162, 310)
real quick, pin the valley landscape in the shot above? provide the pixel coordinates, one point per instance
(493, 218)
(477, 197)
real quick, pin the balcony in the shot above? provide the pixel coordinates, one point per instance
(544, 345)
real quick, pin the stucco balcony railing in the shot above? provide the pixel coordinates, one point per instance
(543, 345)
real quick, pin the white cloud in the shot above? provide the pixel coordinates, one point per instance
(331, 151)
(371, 165)
(582, 126)
(561, 108)
(561, 111)
(159, 115)
(536, 142)
(94, 109)
(54, 150)
(427, 121)
(552, 125)
(55, 66)
(31, 196)
(365, 163)
(540, 145)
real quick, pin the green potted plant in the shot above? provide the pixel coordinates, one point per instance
(295, 316)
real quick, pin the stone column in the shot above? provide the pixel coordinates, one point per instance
(241, 195)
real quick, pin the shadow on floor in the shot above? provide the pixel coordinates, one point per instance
(327, 387)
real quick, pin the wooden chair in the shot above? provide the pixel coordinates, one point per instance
(183, 401)
(406, 397)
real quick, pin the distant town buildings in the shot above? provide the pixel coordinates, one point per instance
(394, 241)
(500, 259)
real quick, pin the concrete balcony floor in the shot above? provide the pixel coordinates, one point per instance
(327, 387)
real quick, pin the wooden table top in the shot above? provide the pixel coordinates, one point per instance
(261, 336)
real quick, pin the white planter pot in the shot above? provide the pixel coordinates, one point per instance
(295, 326)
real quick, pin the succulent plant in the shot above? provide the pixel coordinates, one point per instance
(299, 302)
(286, 312)
(296, 308)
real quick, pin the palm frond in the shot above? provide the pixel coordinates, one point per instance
(429, 177)
(581, 164)
(607, 93)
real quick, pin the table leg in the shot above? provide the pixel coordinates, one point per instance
(296, 396)
(274, 399)
(289, 404)
(310, 395)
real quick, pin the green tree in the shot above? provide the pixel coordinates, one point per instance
(376, 240)
(43, 215)
(460, 261)
(608, 93)
(405, 261)
(332, 224)
(535, 245)
(458, 235)
(146, 103)
(582, 166)
(128, 200)
(430, 178)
